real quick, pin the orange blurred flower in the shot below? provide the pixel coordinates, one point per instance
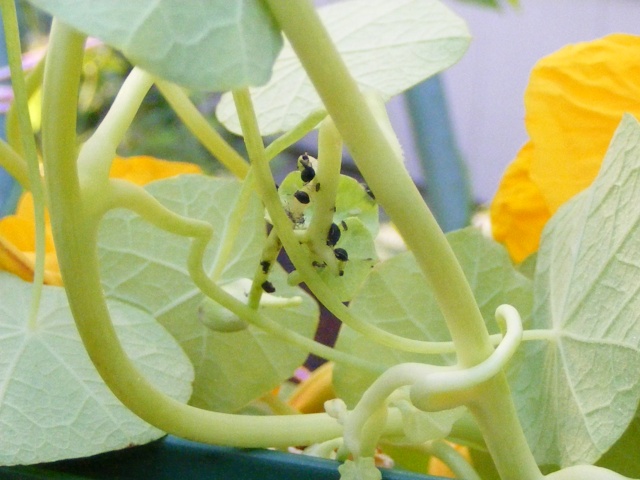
(574, 101)
(17, 232)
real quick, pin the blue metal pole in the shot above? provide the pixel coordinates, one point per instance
(447, 189)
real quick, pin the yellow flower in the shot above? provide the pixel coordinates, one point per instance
(17, 232)
(574, 101)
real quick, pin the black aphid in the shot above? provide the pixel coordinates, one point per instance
(344, 225)
(268, 287)
(341, 254)
(334, 235)
(304, 160)
(369, 192)
(302, 197)
(317, 187)
(265, 266)
(307, 174)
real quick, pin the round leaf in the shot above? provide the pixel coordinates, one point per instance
(205, 45)
(53, 403)
(387, 46)
(147, 267)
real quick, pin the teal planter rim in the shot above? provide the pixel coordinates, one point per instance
(172, 458)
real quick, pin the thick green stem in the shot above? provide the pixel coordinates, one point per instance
(122, 194)
(327, 178)
(28, 144)
(296, 133)
(14, 164)
(98, 152)
(390, 182)
(299, 257)
(377, 160)
(33, 82)
(202, 130)
(452, 459)
(75, 237)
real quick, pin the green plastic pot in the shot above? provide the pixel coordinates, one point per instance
(175, 459)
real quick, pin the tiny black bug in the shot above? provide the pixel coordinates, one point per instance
(334, 235)
(317, 187)
(307, 174)
(341, 254)
(304, 160)
(318, 264)
(344, 225)
(268, 287)
(265, 266)
(369, 192)
(302, 197)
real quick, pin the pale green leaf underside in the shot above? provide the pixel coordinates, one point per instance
(146, 267)
(387, 46)
(583, 388)
(205, 44)
(53, 404)
(358, 243)
(397, 298)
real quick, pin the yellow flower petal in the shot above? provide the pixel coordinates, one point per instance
(310, 395)
(519, 211)
(439, 469)
(22, 264)
(575, 100)
(143, 169)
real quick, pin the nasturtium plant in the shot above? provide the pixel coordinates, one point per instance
(233, 45)
(387, 46)
(352, 233)
(173, 312)
(54, 405)
(585, 296)
(582, 87)
(401, 306)
(128, 243)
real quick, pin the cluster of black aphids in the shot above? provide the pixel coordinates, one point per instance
(333, 236)
(307, 174)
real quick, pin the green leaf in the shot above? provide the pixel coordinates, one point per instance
(397, 298)
(207, 45)
(579, 393)
(387, 46)
(146, 267)
(358, 243)
(420, 427)
(53, 404)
